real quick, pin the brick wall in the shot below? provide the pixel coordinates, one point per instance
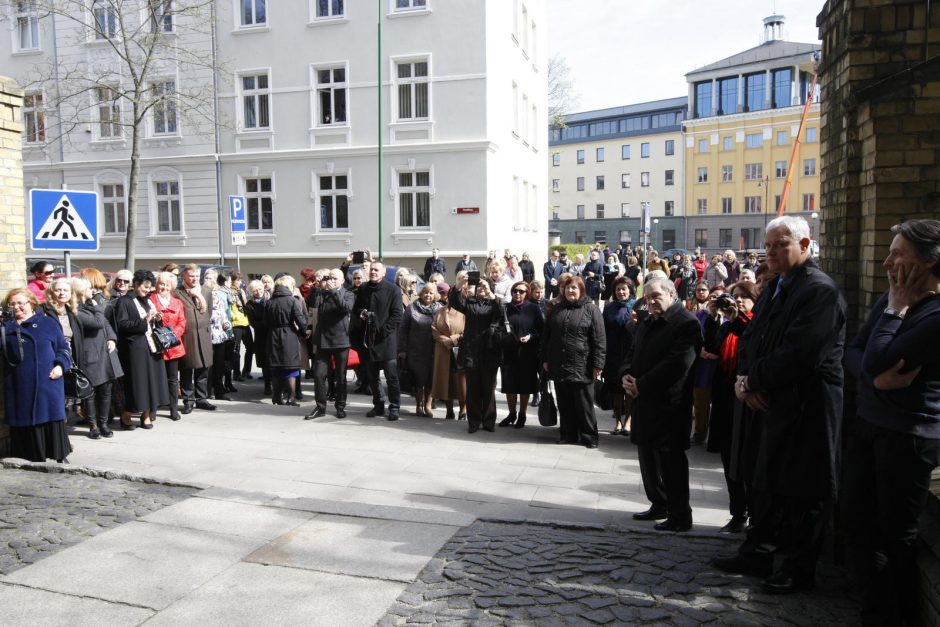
(12, 212)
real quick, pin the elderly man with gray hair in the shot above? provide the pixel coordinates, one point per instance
(657, 374)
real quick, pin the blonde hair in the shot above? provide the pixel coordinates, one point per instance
(169, 278)
(27, 293)
(253, 284)
(429, 287)
(79, 287)
(50, 294)
(286, 281)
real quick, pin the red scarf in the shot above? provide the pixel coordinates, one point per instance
(728, 355)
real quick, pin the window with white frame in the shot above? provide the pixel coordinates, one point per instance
(105, 19)
(256, 94)
(515, 109)
(164, 108)
(259, 203)
(726, 204)
(556, 185)
(780, 169)
(253, 12)
(625, 181)
(644, 179)
(782, 138)
(727, 173)
(703, 145)
(412, 90)
(329, 9)
(624, 210)
(525, 29)
(166, 195)
(525, 118)
(580, 156)
(811, 134)
(702, 206)
(752, 204)
(556, 159)
(625, 151)
(809, 202)
(114, 208)
(333, 192)
(34, 118)
(331, 95)
(753, 171)
(599, 155)
(414, 200)
(703, 175)
(108, 109)
(727, 143)
(161, 16)
(644, 150)
(754, 140)
(670, 147)
(27, 25)
(809, 167)
(410, 5)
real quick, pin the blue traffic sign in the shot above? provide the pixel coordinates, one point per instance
(63, 220)
(237, 207)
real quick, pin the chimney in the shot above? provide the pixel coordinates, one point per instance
(773, 28)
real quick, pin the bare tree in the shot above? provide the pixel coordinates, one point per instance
(562, 98)
(115, 70)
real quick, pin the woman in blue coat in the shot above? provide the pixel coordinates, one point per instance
(35, 356)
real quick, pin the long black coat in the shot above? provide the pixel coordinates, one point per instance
(481, 317)
(255, 312)
(792, 353)
(664, 349)
(379, 335)
(197, 340)
(145, 382)
(287, 323)
(333, 309)
(574, 342)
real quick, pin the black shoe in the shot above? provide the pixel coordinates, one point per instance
(740, 565)
(375, 411)
(490, 428)
(450, 415)
(292, 403)
(187, 407)
(318, 412)
(104, 429)
(520, 421)
(205, 405)
(331, 396)
(508, 420)
(653, 513)
(93, 432)
(268, 391)
(174, 414)
(391, 417)
(737, 524)
(247, 376)
(473, 428)
(671, 524)
(340, 413)
(781, 583)
(590, 445)
(231, 388)
(462, 417)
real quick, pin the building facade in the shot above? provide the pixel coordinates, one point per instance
(290, 120)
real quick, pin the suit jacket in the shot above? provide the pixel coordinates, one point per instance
(549, 273)
(196, 339)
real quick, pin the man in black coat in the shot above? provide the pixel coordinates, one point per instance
(657, 373)
(331, 337)
(377, 312)
(552, 269)
(790, 379)
(434, 264)
(466, 264)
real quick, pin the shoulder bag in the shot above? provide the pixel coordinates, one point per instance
(77, 385)
(164, 338)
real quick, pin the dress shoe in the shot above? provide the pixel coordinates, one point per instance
(781, 583)
(341, 413)
(590, 445)
(231, 388)
(737, 524)
(672, 524)
(740, 565)
(187, 408)
(375, 411)
(520, 421)
(508, 420)
(490, 428)
(564, 441)
(318, 412)
(93, 431)
(205, 405)
(653, 513)
(391, 417)
(174, 414)
(128, 426)
(292, 403)
(473, 428)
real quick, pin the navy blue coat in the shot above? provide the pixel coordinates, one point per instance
(30, 397)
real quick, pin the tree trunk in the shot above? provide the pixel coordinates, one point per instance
(130, 244)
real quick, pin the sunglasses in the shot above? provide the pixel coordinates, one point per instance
(520, 291)
(122, 281)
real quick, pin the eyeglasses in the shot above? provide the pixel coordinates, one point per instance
(122, 281)
(47, 272)
(520, 292)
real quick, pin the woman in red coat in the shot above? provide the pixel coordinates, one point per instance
(174, 317)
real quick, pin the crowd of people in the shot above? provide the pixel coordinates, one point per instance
(744, 358)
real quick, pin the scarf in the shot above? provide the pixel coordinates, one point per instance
(728, 353)
(427, 310)
(143, 316)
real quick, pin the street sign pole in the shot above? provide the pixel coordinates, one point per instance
(239, 226)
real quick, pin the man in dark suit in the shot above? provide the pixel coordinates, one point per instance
(790, 379)
(331, 337)
(195, 364)
(657, 375)
(434, 264)
(552, 269)
(377, 312)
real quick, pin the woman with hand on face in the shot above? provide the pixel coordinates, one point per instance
(36, 355)
(173, 316)
(520, 367)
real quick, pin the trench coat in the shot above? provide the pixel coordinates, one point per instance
(446, 331)
(286, 319)
(196, 339)
(416, 340)
(30, 397)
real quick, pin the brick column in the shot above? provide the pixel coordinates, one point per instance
(12, 211)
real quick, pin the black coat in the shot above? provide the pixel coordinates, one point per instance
(664, 349)
(792, 353)
(433, 265)
(618, 328)
(378, 334)
(145, 382)
(286, 320)
(481, 318)
(528, 270)
(95, 360)
(333, 309)
(255, 312)
(574, 342)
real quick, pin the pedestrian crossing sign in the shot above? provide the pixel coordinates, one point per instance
(63, 220)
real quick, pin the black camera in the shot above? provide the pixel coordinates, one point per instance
(358, 257)
(473, 277)
(7, 314)
(725, 302)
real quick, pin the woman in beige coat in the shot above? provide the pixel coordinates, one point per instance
(448, 382)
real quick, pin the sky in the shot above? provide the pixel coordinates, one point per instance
(630, 51)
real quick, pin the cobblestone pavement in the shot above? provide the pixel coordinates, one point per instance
(44, 512)
(494, 573)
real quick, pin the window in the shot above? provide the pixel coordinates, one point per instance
(755, 91)
(780, 169)
(782, 87)
(334, 202)
(726, 205)
(580, 212)
(809, 167)
(811, 134)
(255, 101)
(625, 181)
(556, 159)
(625, 151)
(702, 206)
(624, 210)
(703, 145)
(580, 237)
(626, 237)
(600, 237)
(752, 204)
(105, 17)
(600, 211)
(27, 25)
(600, 182)
(327, 9)
(728, 95)
(669, 208)
(164, 108)
(753, 171)
(727, 173)
(644, 150)
(670, 147)
(259, 200)
(407, 5)
(724, 238)
(669, 238)
(34, 118)
(524, 123)
(555, 210)
(580, 157)
(701, 238)
(412, 90)
(644, 179)
(167, 197)
(776, 201)
(752, 238)
(331, 96)
(599, 155)
(414, 200)
(809, 202)
(556, 185)
(727, 143)
(254, 12)
(113, 204)
(754, 140)
(161, 16)
(703, 175)
(782, 138)
(515, 109)
(580, 183)
(109, 113)
(670, 177)
(703, 99)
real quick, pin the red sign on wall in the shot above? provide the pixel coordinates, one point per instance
(462, 210)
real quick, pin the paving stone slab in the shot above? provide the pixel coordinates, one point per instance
(239, 519)
(29, 607)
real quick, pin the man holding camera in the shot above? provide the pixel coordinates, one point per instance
(331, 337)
(377, 312)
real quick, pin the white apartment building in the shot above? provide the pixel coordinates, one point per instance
(294, 128)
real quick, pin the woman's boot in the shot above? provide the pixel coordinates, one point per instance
(419, 401)
(428, 403)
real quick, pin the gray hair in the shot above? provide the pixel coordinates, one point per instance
(797, 227)
(664, 284)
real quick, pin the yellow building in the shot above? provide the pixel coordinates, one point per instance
(744, 116)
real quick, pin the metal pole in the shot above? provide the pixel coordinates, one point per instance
(378, 99)
(68, 264)
(238, 258)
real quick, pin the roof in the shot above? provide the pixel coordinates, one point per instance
(768, 51)
(643, 107)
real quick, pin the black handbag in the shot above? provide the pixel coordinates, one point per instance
(77, 385)
(601, 395)
(548, 413)
(164, 338)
